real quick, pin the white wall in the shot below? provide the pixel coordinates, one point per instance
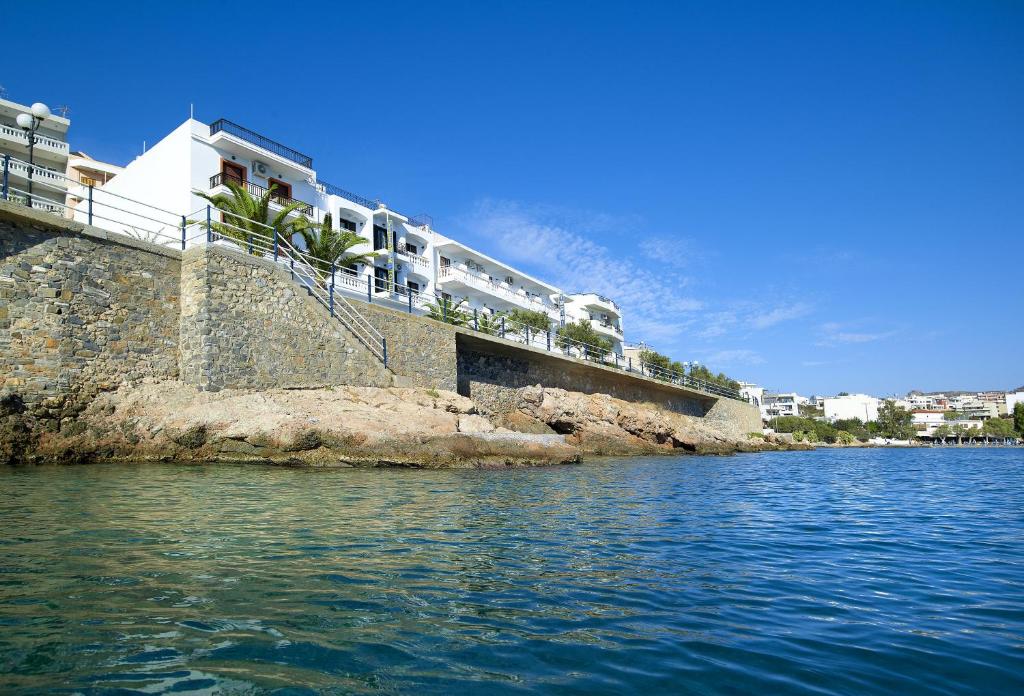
(157, 179)
(859, 406)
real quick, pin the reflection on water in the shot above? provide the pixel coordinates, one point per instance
(820, 572)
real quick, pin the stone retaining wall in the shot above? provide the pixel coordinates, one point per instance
(80, 313)
(493, 374)
(245, 324)
(83, 310)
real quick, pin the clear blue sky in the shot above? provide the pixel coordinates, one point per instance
(817, 196)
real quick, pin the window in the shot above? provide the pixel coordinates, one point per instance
(380, 238)
(509, 280)
(344, 224)
(413, 286)
(283, 190)
(445, 262)
(446, 297)
(411, 248)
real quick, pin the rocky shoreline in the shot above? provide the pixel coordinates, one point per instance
(350, 426)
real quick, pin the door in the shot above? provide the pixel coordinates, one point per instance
(231, 171)
(380, 279)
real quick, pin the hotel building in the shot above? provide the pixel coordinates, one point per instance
(412, 259)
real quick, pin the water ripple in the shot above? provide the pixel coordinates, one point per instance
(840, 572)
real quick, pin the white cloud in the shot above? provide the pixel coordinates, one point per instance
(733, 358)
(560, 245)
(779, 315)
(834, 334)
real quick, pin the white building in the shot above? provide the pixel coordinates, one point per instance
(49, 157)
(860, 406)
(413, 260)
(1012, 399)
(926, 422)
(787, 404)
(601, 312)
(753, 393)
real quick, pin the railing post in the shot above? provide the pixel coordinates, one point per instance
(629, 365)
(410, 301)
(444, 308)
(90, 204)
(209, 230)
(291, 266)
(250, 242)
(183, 233)
(275, 244)
(527, 334)
(332, 288)
(503, 327)
(7, 166)
(384, 349)
(476, 320)
(616, 358)
(549, 339)
(369, 289)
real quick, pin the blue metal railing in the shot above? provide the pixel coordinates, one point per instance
(262, 141)
(333, 190)
(259, 191)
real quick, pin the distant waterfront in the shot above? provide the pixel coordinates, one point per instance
(830, 571)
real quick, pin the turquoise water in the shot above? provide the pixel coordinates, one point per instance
(832, 572)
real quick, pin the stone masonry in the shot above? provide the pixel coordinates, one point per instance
(79, 314)
(245, 324)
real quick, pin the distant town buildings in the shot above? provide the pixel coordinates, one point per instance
(929, 412)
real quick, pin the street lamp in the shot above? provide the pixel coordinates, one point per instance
(30, 124)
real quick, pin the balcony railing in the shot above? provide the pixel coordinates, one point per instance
(258, 191)
(607, 327)
(261, 141)
(21, 169)
(493, 287)
(43, 141)
(415, 259)
(333, 190)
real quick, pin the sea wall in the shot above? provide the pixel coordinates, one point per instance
(421, 351)
(494, 372)
(245, 324)
(81, 312)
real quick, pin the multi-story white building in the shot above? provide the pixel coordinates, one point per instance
(860, 406)
(49, 157)
(752, 392)
(787, 404)
(412, 259)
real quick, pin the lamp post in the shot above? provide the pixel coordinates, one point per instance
(30, 123)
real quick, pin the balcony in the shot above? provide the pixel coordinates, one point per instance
(420, 263)
(606, 328)
(597, 303)
(258, 191)
(225, 126)
(43, 142)
(51, 177)
(459, 275)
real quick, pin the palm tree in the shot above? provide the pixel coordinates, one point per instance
(245, 216)
(330, 246)
(448, 311)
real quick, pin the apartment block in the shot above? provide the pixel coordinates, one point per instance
(49, 157)
(412, 260)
